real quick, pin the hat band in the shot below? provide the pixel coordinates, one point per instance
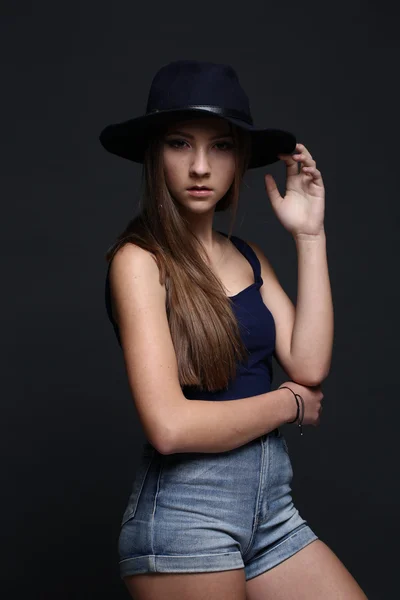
(222, 112)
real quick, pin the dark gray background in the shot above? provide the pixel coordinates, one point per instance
(69, 432)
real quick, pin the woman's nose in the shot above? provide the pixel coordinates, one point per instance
(200, 162)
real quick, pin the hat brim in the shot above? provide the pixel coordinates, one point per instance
(128, 139)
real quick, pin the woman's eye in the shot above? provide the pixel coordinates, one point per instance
(228, 145)
(175, 143)
(178, 144)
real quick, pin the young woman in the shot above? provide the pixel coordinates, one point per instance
(199, 314)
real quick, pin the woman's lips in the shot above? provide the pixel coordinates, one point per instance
(201, 192)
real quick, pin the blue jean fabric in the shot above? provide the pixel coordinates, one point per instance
(199, 512)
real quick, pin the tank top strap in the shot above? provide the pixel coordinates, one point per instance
(249, 253)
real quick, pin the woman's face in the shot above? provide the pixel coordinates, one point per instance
(199, 152)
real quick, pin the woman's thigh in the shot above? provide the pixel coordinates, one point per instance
(222, 585)
(313, 572)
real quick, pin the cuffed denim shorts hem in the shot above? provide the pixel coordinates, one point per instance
(196, 563)
(281, 551)
(205, 563)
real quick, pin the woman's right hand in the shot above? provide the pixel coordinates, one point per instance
(312, 397)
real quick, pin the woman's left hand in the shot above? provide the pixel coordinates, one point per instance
(301, 211)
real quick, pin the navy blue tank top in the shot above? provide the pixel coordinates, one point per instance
(257, 330)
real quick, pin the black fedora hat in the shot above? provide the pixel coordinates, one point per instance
(185, 88)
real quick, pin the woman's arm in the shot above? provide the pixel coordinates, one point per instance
(313, 329)
(304, 334)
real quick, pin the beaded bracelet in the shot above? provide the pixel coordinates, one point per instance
(298, 408)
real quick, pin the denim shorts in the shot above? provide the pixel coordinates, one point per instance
(198, 512)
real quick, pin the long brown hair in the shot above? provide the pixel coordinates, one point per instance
(203, 326)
